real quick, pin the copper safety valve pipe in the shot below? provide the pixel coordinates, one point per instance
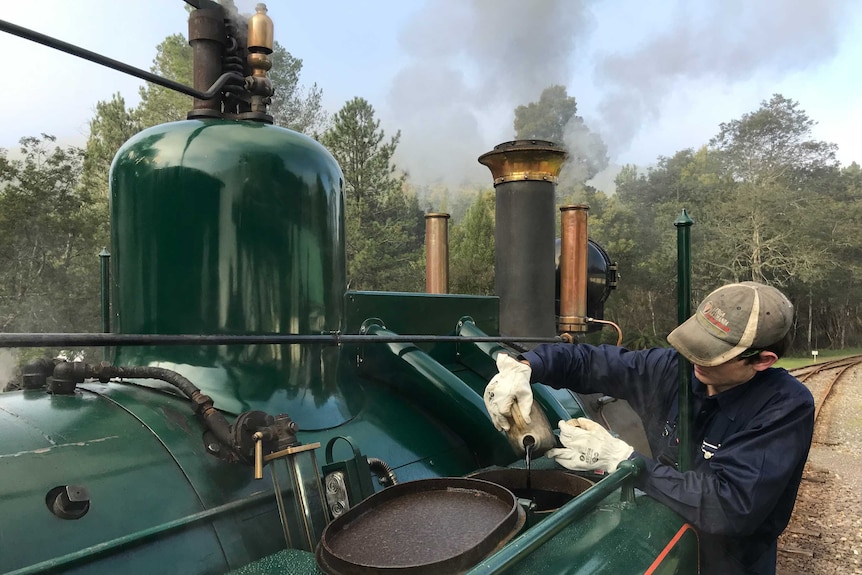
(437, 252)
(573, 269)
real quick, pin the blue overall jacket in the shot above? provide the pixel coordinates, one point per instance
(749, 443)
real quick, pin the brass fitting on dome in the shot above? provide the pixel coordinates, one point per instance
(260, 31)
(260, 42)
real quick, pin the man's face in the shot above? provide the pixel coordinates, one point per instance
(731, 373)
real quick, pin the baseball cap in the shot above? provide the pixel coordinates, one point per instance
(732, 319)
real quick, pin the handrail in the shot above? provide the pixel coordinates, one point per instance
(140, 536)
(414, 374)
(331, 338)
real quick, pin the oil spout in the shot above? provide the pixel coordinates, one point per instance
(534, 438)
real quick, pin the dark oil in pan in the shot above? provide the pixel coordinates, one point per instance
(543, 500)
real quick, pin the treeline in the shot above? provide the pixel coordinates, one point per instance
(769, 203)
(54, 200)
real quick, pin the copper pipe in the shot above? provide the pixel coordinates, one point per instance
(437, 252)
(573, 269)
(612, 324)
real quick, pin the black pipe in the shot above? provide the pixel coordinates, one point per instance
(203, 404)
(106, 372)
(35, 373)
(123, 339)
(105, 286)
(34, 36)
(68, 374)
(207, 38)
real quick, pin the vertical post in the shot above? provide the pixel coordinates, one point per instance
(683, 245)
(105, 269)
(437, 252)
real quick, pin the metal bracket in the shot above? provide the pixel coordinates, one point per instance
(363, 330)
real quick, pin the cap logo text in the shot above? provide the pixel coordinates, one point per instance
(716, 316)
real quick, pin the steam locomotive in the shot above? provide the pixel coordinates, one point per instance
(257, 416)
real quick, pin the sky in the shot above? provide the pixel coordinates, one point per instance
(651, 78)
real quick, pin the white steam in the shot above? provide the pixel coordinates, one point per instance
(471, 62)
(726, 42)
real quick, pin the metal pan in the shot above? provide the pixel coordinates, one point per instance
(429, 526)
(546, 489)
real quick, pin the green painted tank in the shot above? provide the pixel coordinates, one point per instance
(224, 227)
(146, 500)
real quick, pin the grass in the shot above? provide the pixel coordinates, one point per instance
(794, 362)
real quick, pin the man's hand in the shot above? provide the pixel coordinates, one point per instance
(588, 446)
(511, 386)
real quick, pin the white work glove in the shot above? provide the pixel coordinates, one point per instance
(511, 386)
(588, 446)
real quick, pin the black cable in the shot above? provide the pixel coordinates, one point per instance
(39, 38)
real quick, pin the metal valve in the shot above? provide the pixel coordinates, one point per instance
(258, 455)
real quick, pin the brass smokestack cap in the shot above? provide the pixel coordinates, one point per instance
(520, 160)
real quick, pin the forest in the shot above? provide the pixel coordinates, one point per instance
(769, 203)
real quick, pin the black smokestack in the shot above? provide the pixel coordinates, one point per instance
(525, 173)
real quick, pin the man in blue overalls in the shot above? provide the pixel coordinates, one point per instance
(752, 423)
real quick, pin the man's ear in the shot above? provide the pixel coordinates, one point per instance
(764, 360)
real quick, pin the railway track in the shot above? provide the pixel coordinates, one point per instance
(832, 371)
(825, 531)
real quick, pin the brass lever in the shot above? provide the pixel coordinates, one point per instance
(258, 455)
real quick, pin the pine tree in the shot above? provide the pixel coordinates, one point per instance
(383, 235)
(472, 254)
